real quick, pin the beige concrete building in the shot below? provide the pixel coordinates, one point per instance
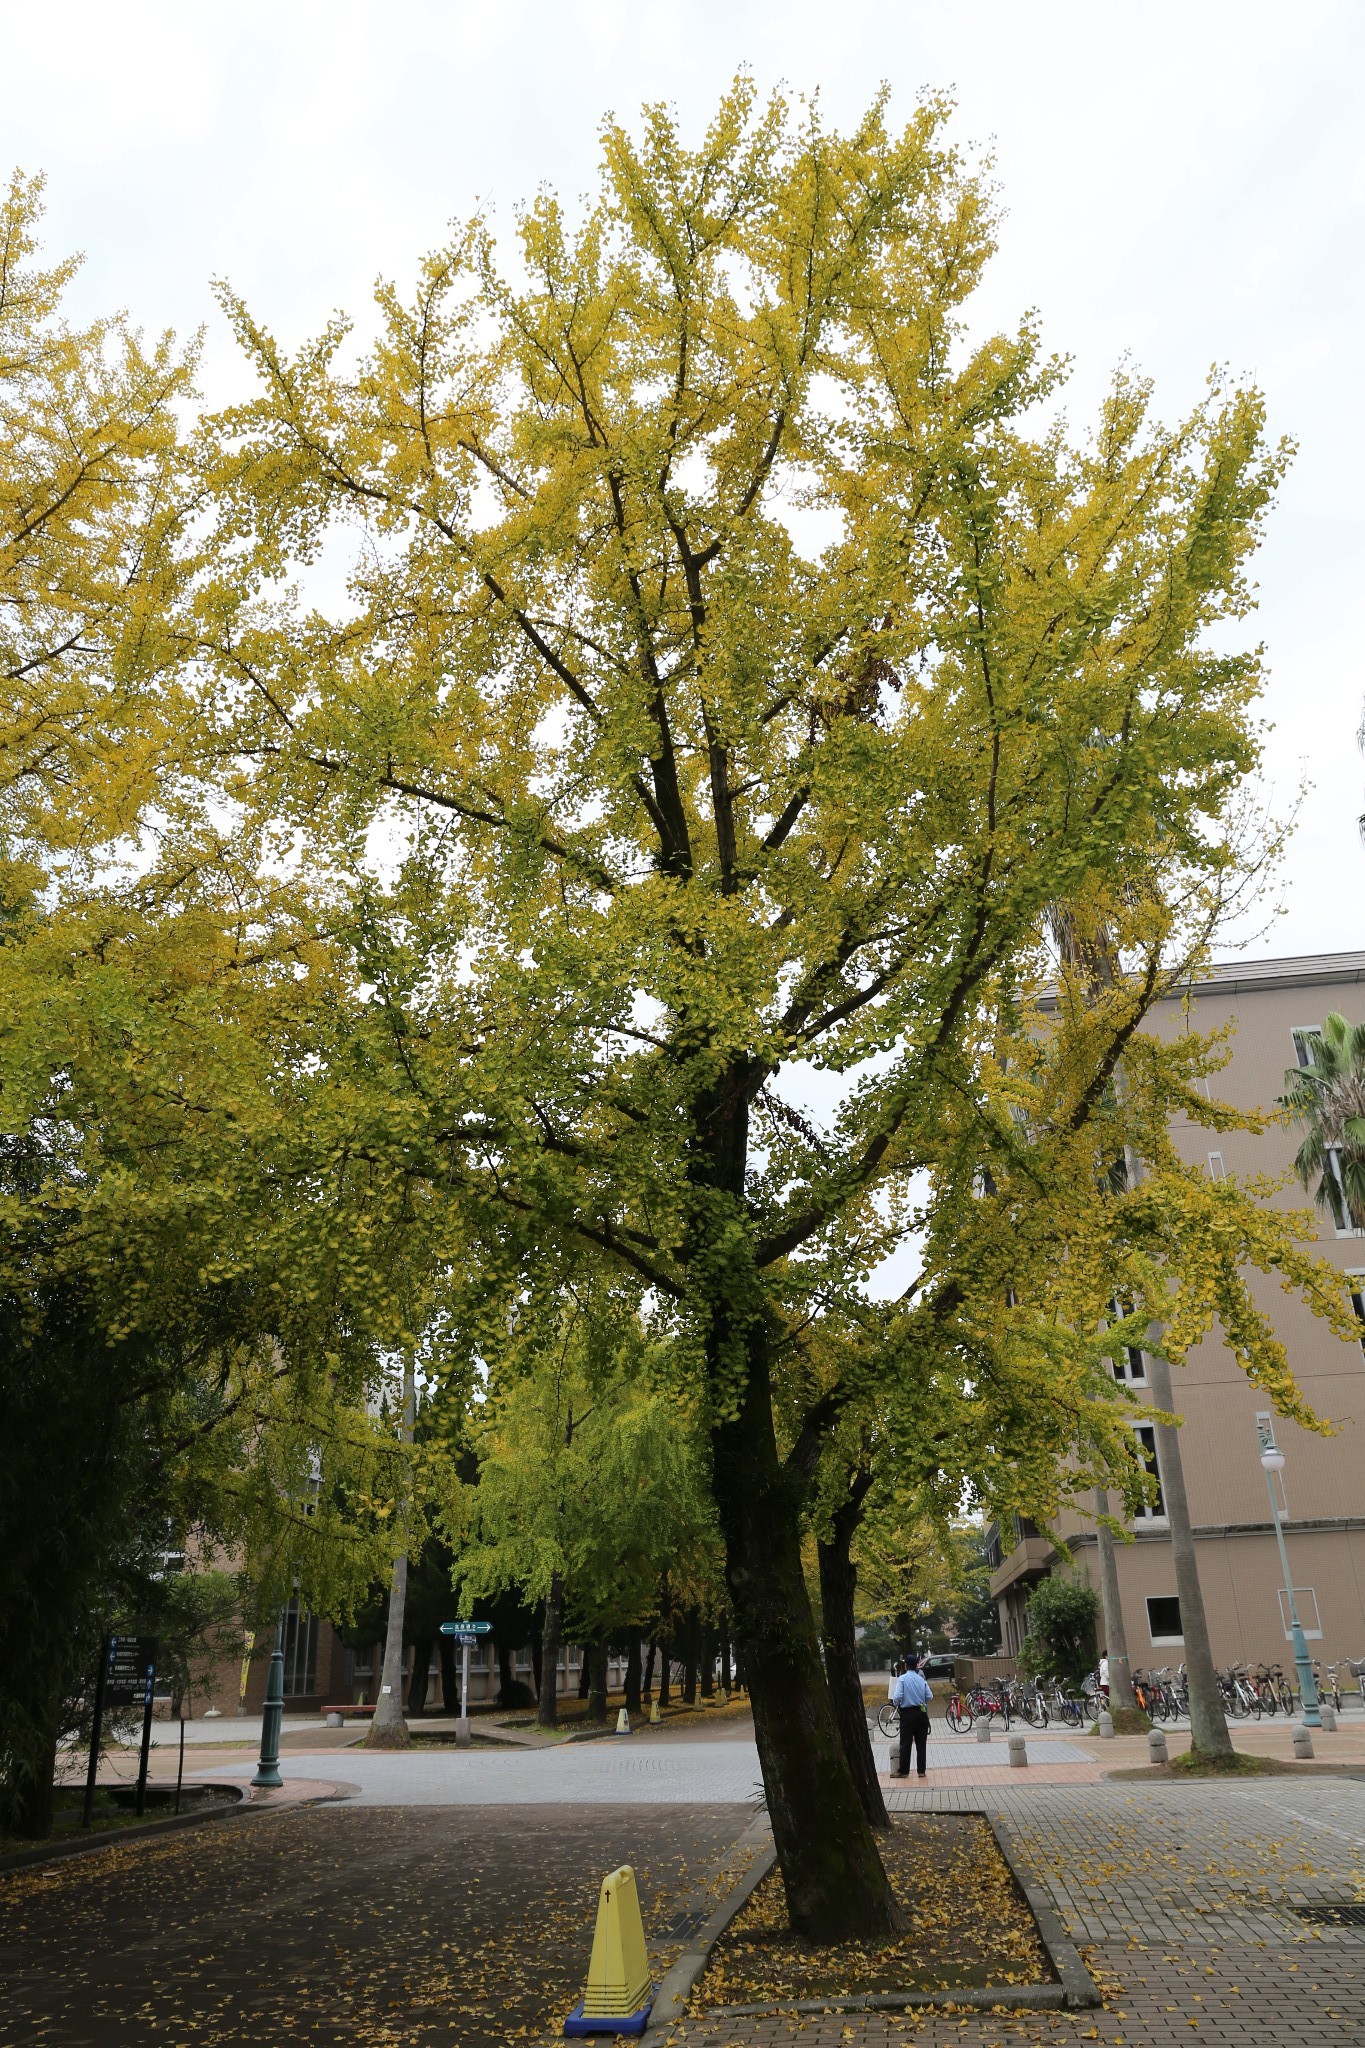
(1273, 1006)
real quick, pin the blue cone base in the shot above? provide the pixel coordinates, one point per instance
(633, 2023)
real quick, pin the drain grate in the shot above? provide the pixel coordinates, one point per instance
(1346, 1913)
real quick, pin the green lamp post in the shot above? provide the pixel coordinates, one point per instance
(268, 1769)
(1272, 1461)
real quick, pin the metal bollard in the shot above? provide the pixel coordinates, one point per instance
(1329, 1716)
(983, 1731)
(1106, 1722)
(1303, 1743)
(1018, 1753)
(334, 1721)
(1156, 1748)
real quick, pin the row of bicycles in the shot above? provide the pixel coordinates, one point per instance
(1009, 1700)
(1248, 1691)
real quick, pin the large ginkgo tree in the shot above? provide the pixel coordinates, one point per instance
(738, 663)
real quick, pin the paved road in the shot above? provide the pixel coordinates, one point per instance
(611, 1772)
(396, 1929)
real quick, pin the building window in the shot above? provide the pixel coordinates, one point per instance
(1217, 1170)
(1163, 1619)
(300, 1650)
(1306, 1039)
(1306, 1600)
(1336, 1196)
(1356, 1283)
(1129, 1364)
(1151, 1510)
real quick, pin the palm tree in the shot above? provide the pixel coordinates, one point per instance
(1327, 1097)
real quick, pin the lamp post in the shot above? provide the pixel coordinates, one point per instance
(268, 1769)
(1272, 1461)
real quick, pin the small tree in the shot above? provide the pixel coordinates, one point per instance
(1061, 1613)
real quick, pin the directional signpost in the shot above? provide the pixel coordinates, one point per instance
(466, 1634)
(127, 1677)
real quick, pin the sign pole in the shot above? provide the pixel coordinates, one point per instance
(180, 1771)
(462, 1725)
(146, 1739)
(92, 1772)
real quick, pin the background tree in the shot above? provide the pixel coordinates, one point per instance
(1327, 1098)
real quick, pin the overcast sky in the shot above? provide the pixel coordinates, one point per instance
(1184, 183)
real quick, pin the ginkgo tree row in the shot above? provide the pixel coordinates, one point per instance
(651, 867)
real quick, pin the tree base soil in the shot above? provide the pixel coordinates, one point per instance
(967, 1925)
(115, 1807)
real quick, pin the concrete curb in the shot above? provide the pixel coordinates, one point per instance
(1077, 1986)
(246, 1805)
(1074, 1990)
(90, 1845)
(670, 2001)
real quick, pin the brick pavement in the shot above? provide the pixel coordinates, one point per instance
(1181, 1899)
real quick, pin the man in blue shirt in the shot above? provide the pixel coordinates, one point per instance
(911, 1694)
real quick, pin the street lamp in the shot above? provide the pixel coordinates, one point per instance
(268, 1769)
(1272, 1461)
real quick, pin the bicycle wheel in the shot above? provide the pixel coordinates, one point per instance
(1266, 1696)
(1070, 1713)
(959, 1716)
(888, 1720)
(1026, 1709)
(1091, 1704)
(1042, 1711)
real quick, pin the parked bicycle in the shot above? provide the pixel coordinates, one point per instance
(1062, 1703)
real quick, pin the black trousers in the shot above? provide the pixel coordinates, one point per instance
(914, 1728)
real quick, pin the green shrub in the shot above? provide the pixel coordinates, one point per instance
(1061, 1613)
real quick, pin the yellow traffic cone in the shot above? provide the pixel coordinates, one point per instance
(623, 1722)
(618, 1974)
(654, 1713)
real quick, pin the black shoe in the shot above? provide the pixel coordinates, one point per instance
(920, 1774)
(898, 1774)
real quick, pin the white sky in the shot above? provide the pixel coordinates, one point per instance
(1184, 182)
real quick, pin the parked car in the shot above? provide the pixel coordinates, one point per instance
(938, 1664)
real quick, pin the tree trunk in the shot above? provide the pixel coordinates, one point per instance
(538, 1657)
(584, 1672)
(725, 1657)
(30, 1794)
(634, 1689)
(708, 1663)
(417, 1684)
(1208, 1723)
(665, 1676)
(838, 1579)
(835, 1885)
(547, 1709)
(1121, 1692)
(450, 1684)
(595, 1664)
(506, 1675)
(388, 1729)
(690, 1666)
(648, 1687)
(665, 1634)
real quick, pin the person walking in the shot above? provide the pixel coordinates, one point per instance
(912, 1694)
